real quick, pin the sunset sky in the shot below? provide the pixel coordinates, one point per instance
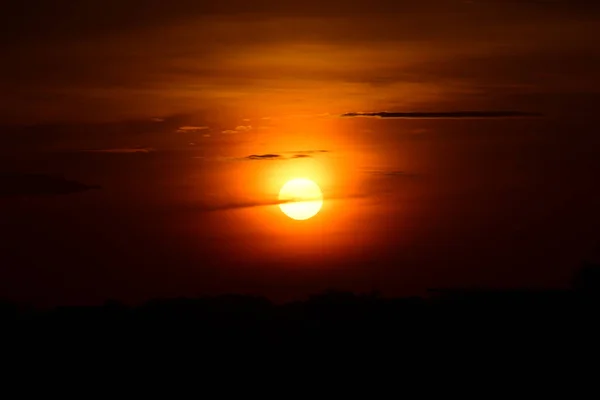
(143, 145)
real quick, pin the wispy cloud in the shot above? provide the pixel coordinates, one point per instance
(24, 185)
(189, 128)
(444, 115)
(122, 150)
(285, 156)
(309, 151)
(238, 129)
(264, 203)
(264, 157)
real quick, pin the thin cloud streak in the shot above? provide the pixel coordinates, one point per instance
(36, 185)
(183, 129)
(124, 150)
(253, 204)
(308, 152)
(263, 157)
(444, 115)
(294, 155)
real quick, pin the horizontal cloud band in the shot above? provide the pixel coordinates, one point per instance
(24, 185)
(451, 114)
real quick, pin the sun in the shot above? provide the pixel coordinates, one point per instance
(300, 199)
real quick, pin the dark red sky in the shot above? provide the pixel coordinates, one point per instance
(163, 105)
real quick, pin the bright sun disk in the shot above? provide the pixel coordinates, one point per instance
(300, 198)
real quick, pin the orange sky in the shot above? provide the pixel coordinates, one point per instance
(103, 61)
(191, 115)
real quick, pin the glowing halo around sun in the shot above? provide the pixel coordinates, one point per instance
(300, 199)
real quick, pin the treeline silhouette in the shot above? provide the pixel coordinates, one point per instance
(446, 318)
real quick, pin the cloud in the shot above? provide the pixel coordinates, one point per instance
(283, 156)
(264, 203)
(293, 155)
(309, 151)
(264, 157)
(188, 128)
(444, 115)
(238, 129)
(238, 205)
(20, 185)
(122, 150)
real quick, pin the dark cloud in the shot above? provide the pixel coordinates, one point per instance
(293, 155)
(123, 150)
(264, 203)
(24, 185)
(444, 115)
(238, 205)
(122, 136)
(264, 157)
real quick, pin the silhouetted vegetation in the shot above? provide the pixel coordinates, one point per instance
(494, 319)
